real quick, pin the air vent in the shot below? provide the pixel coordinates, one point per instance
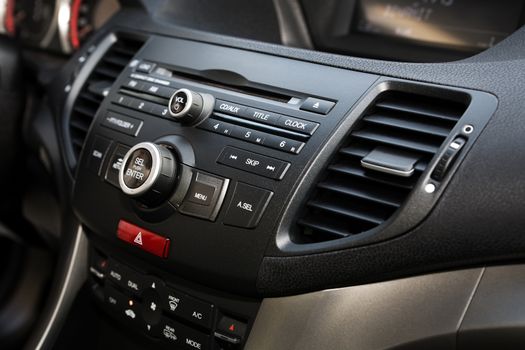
(96, 87)
(352, 198)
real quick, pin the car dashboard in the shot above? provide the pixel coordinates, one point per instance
(279, 174)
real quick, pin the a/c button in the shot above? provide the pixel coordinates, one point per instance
(247, 206)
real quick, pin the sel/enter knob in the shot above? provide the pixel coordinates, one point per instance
(148, 173)
(190, 107)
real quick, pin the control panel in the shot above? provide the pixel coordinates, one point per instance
(173, 317)
(193, 156)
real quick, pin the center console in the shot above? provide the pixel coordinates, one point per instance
(184, 174)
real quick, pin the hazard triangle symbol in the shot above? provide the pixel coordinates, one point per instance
(138, 239)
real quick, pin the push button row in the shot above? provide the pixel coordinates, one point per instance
(141, 105)
(148, 88)
(139, 316)
(148, 305)
(269, 140)
(266, 117)
(152, 289)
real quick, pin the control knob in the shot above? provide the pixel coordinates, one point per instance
(148, 173)
(190, 107)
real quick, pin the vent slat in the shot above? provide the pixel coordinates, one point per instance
(86, 111)
(107, 72)
(421, 127)
(116, 60)
(334, 209)
(406, 107)
(317, 226)
(78, 142)
(86, 95)
(350, 199)
(80, 125)
(393, 140)
(125, 51)
(88, 101)
(356, 192)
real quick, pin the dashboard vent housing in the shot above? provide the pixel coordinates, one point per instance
(351, 199)
(95, 88)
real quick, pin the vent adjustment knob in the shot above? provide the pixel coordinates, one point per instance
(148, 173)
(190, 107)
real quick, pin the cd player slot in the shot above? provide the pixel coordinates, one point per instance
(223, 75)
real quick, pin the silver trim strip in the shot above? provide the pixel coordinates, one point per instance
(3, 11)
(63, 17)
(418, 310)
(69, 284)
(384, 169)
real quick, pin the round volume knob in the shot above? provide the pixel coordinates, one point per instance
(190, 107)
(148, 172)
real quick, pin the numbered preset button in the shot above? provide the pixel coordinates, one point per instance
(283, 144)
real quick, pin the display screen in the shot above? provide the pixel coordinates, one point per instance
(472, 24)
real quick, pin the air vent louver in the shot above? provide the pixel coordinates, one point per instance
(351, 199)
(91, 95)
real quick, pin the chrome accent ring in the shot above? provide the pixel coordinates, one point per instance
(156, 160)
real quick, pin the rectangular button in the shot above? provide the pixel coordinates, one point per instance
(205, 197)
(114, 298)
(145, 67)
(123, 100)
(218, 126)
(189, 308)
(253, 163)
(115, 162)
(317, 105)
(261, 116)
(159, 110)
(97, 153)
(133, 281)
(156, 90)
(295, 124)
(284, 144)
(229, 108)
(116, 273)
(144, 239)
(249, 135)
(233, 329)
(126, 277)
(124, 124)
(179, 336)
(200, 192)
(141, 105)
(165, 92)
(133, 84)
(247, 206)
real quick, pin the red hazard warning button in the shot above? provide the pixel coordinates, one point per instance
(144, 239)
